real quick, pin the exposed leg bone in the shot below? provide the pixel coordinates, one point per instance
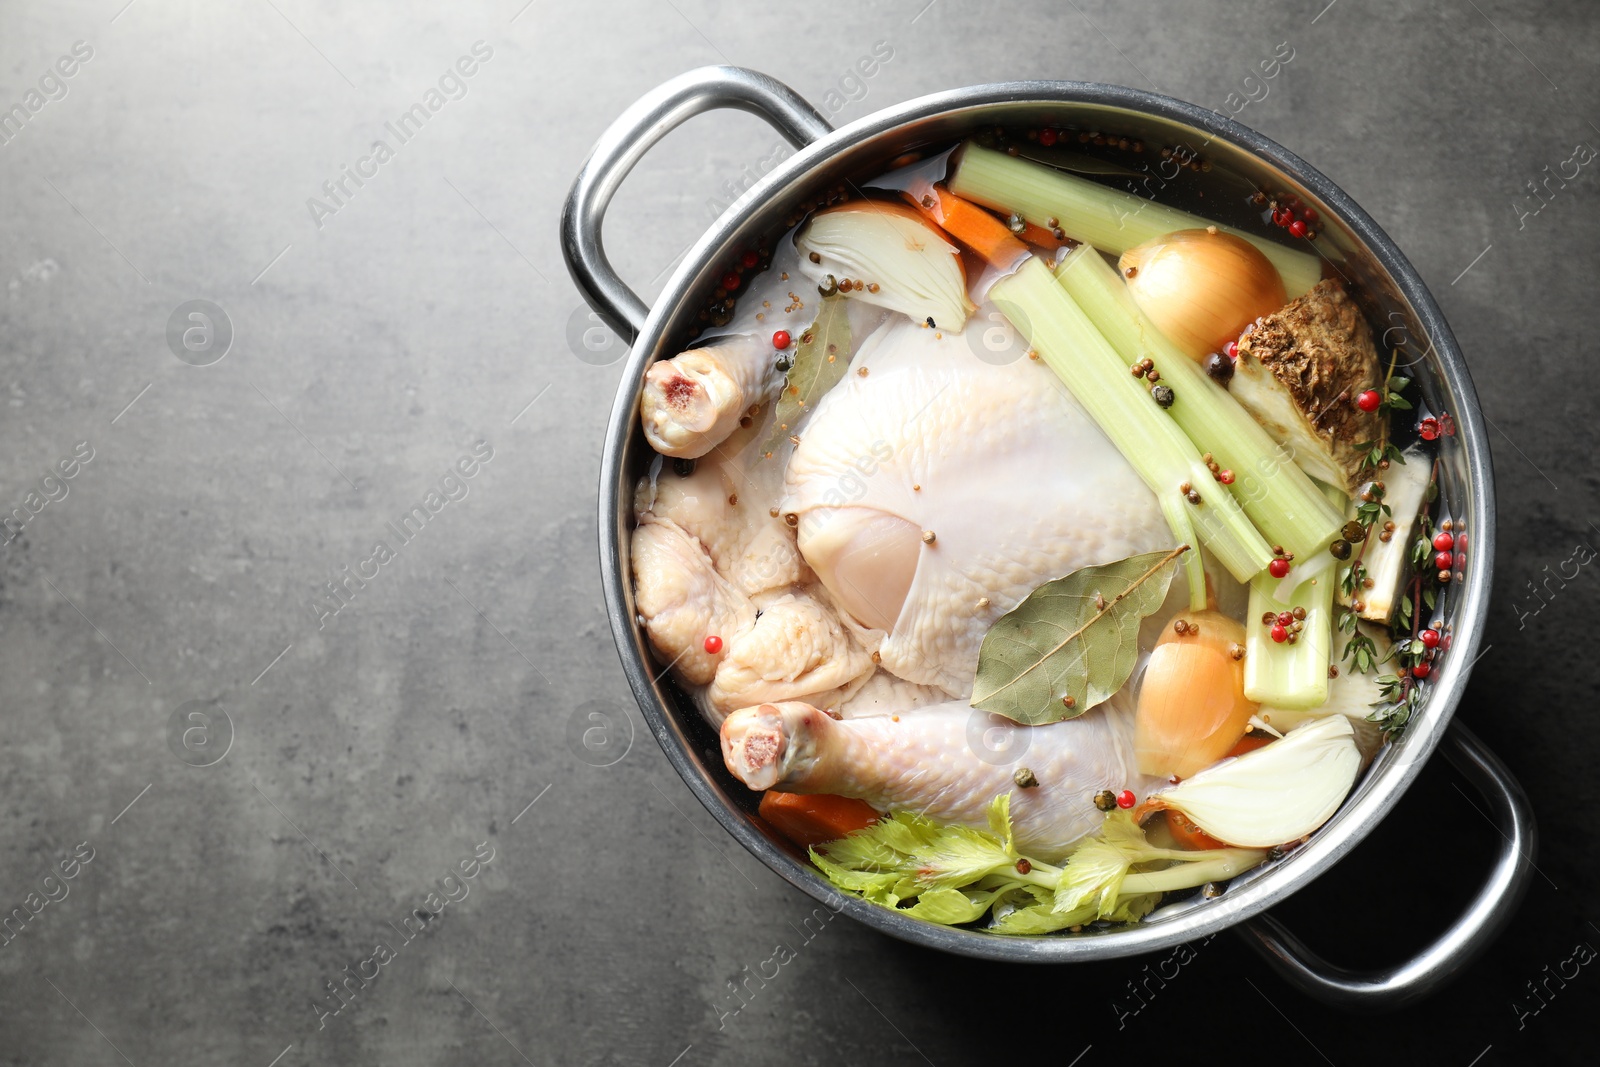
(693, 401)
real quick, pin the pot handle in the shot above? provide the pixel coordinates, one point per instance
(1468, 936)
(634, 132)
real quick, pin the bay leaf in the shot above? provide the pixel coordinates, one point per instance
(821, 357)
(1074, 637)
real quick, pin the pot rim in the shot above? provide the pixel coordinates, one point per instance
(1392, 771)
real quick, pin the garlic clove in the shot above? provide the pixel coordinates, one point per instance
(1201, 287)
(1275, 794)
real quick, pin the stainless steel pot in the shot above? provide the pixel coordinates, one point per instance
(1352, 242)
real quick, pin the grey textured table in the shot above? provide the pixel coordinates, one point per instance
(252, 790)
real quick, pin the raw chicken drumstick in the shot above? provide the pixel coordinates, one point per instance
(693, 401)
(947, 762)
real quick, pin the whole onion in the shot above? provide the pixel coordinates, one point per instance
(1201, 287)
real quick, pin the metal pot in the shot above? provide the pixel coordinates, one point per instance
(1357, 248)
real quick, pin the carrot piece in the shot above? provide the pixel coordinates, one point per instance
(1249, 743)
(814, 820)
(973, 227)
(1038, 235)
(1187, 835)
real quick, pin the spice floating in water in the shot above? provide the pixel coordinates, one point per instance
(1219, 367)
(713, 644)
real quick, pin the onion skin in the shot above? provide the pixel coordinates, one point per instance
(1192, 707)
(1201, 287)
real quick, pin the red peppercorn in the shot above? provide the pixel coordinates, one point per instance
(730, 281)
(1297, 228)
(1309, 214)
(780, 340)
(1444, 541)
(1421, 671)
(1047, 137)
(1231, 349)
(1278, 568)
(1369, 400)
(1429, 638)
(1429, 428)
(1285, 618)
(750, 259)
(713, 644)
(1126, 799)
(1226, 477)
(1444, 560)
(1280, 632)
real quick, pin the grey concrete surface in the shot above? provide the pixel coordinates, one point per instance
(366, 754)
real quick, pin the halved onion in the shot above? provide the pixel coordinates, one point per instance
(885, 253)
(1276, 794)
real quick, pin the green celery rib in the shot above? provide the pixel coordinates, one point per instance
(1176, 510)
(1218, 865)
(1284, 675)
(1282, 501)
(1158, 450)
(1111, 220)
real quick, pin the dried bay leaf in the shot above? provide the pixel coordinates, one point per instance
(812, 373)
(1075, 637)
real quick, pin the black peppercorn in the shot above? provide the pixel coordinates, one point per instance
(1220, 367)
(683, 467)
(1163, 395)
(1340, 549)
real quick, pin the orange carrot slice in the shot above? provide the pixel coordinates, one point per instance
(972, 227)
(1187, 835)
(814, 820)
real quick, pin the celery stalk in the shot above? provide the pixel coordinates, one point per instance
(1111, 220)
(1287, 675)
(1292, 676)
(1282, 501)
(1176, 510)
(1152, 443)
(1219, 865)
